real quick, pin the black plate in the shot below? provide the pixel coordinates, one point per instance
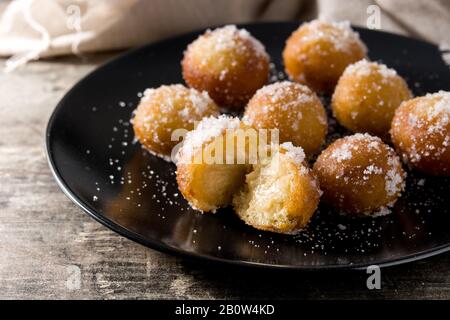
(93, 157)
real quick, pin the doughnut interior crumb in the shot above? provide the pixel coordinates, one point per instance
(280, 194)
(213, 186)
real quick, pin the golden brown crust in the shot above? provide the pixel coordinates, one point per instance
(360, 174)
(168, 108)
(317, 53)
(227, 63)
(294, 110)
(366, 97)
(204, 178)
(184, 176)
(421, 133)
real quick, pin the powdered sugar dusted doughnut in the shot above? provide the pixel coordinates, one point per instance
(366, 97)
(421, 133)
(360, 174)
(168, 108)
(294, 110)
(318, 52)
(227, 62)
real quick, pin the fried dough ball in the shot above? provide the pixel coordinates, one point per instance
(165, 109)
(208, 184)
(318, 52)
(366, 97)
(360, 174)
(293, 109)
(281, 194)
(229, 63)
(421, 133)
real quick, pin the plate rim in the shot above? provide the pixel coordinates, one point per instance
(167, 249)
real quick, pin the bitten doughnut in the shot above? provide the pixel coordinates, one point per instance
(280, 193)
(366, 97)
(360, 174)
(165, 109)
(421, 133)
(318, 52)
(205, 183)
(229, 63)
(293, 109)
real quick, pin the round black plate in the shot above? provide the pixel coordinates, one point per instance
(96, 163)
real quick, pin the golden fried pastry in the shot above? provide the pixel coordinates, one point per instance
(366, 97)
(421, 133)
(280, 193)
(229, 63)
(206, 180)
(360, 174)
(293, 109)
(168, 108)
(318, 52)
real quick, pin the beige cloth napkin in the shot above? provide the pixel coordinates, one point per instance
(31, 29)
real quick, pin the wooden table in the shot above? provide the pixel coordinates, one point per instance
(46, 241)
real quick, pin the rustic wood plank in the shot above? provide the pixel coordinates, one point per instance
(44, 237)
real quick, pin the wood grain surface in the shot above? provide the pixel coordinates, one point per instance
(46, 242)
